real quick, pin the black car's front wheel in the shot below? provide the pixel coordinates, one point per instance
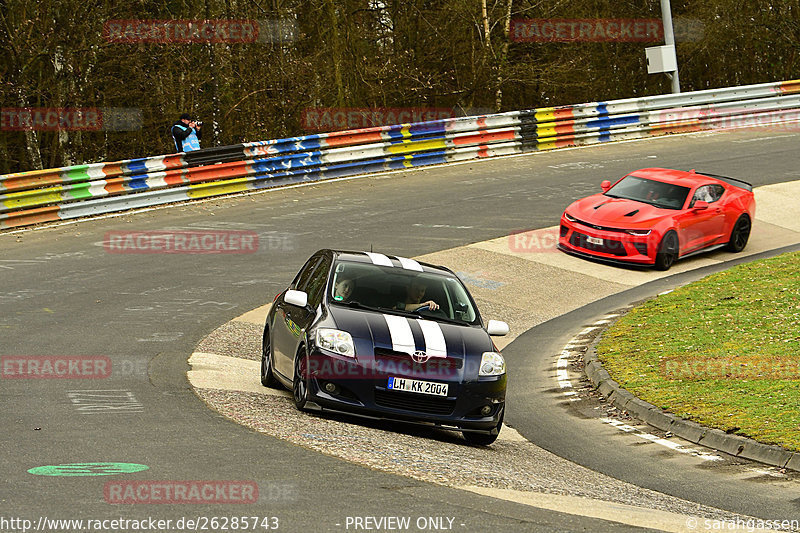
(484, 439)
(739, 234)
(267, 378)
(300, 390)
(667, 251)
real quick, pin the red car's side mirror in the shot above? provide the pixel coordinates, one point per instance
(605, 185)
(700, 205)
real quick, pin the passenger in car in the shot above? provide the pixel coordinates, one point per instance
(343, 289)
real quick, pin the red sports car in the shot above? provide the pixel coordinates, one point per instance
(655, 216)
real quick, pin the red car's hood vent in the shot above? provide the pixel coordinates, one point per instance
(613, 212)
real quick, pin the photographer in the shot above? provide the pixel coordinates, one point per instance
(187, 133)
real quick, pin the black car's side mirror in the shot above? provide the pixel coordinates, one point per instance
(497, 328)
(298, 298)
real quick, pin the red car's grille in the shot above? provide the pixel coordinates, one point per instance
(601, 228)
(608, 246)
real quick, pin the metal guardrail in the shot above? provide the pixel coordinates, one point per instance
(71, 192)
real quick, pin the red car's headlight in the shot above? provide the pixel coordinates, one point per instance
(638, 232)
(569, 217)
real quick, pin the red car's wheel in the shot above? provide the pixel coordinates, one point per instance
(740, 234)
(667, 251)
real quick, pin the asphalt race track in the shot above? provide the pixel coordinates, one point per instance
(65, 295)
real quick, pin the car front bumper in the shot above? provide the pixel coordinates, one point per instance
(351, 386)
(614, 246)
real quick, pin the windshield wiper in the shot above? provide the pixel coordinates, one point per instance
(356, 305)
(439, 318)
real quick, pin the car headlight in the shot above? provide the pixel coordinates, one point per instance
(570, 217)
(638, 232)
(336, 341)
(492, 364)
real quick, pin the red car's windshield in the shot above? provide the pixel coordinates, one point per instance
(657, 193)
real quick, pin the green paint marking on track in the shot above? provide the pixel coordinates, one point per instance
(87, 469)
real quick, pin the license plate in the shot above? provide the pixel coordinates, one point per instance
(420, 387)
(594, 240)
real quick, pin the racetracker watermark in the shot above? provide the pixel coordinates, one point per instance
(181, 242)
(534, 241)
(347, 118)
(744, 367)
(180, 492)
(55, 367)
(228, 31)
(70, 119)
(384, 366)
(730, 118)
(148, 523)
(601, 30)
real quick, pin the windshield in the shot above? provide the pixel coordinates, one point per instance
(401, 291)
(657, 193)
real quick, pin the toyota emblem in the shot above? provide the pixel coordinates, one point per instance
(420, 357)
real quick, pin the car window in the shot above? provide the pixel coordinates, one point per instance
(316, 284)
(302, 278)
(391, 289)
(658, 193)
(708, 193)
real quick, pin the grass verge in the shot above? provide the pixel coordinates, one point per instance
(723, 351)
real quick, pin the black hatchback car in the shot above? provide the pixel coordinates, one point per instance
(388, 338)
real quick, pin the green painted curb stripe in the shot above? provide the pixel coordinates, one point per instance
(87, 469)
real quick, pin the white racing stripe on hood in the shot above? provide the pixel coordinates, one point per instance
(400, 331)
(379, 259)
(434, 338)
(410, 264)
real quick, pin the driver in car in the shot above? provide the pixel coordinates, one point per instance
(416, 292)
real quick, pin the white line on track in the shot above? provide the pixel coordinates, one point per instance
(660, 441)
(579, 343)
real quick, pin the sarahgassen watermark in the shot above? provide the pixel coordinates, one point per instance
(741, 524)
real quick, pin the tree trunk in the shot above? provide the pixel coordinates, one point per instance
(501, 63)
(336, 51)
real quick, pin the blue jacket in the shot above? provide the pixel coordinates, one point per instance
(186, 138)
